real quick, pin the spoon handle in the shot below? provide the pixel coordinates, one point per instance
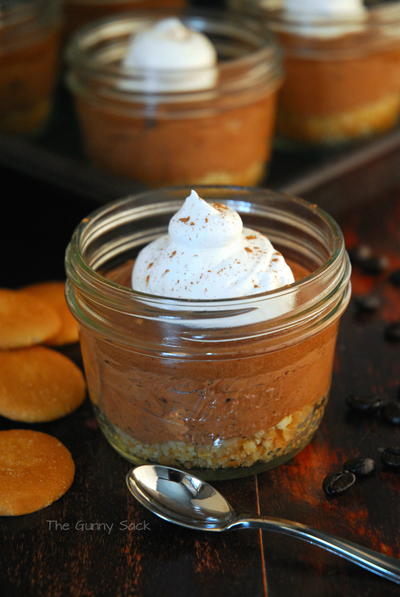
(373, 561)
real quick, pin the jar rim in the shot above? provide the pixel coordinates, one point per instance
(381, 22)
(380, 15)
(119, 295)
(266, 54)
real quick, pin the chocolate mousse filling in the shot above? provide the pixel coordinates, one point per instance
(209, 413)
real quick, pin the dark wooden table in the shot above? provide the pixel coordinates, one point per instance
(98, 541)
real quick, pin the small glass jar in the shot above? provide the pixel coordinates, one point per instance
(342, 76)
(224, 388)
(29, 35)
(220, 135)
(80, 12)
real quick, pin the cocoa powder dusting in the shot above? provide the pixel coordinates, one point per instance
(219, 206)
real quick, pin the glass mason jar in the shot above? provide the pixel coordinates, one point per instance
(342, 77)
(220, 135)
(80, 12)
(224, 388)
(29, 34)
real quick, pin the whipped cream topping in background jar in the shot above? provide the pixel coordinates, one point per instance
(29, 34)
(169, 43)
(167, 101)
(342, 64)
(338, 17)
(217, 386)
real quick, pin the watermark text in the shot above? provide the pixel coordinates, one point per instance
(96, 526)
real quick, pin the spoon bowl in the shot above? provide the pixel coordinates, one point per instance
(176, 496)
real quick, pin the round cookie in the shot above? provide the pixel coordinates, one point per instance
(38, 384)
(35, 470)
(25, 320)
(53, 293)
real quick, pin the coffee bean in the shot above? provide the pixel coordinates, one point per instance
(394, 277)
(390, 457)
(375, 265)
(392, 332)
(337, 483)
(368, 403)
(359, 254)
(367, 303)
(361, 467)
(391, 412)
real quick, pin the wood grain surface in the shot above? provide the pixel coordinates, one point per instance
(87, 558)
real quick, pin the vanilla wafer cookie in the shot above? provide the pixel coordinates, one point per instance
(53, 293)
(38, 384)
(35, 470)
(25, 320)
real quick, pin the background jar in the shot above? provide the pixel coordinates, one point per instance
(227, 387)
(342, 77)
(29, 34)
(217, 135)
(80, 12)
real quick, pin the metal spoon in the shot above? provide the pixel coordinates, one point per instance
(178, 497)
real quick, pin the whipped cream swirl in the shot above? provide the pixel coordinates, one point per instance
(208, 254)
(171, 57)
(325, 18)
